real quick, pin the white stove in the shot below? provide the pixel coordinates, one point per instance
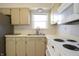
(58, 46)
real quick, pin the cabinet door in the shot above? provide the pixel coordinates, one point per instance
(53, 13)
(40, 47)
(5, 11)
(10, 46)
(20, 46)
(24, 16)
(30, 47)
(15, 16)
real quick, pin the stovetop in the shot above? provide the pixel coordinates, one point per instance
(59, 40)
(71, 47)
(69, 44)
(70, 40)
(64, 40)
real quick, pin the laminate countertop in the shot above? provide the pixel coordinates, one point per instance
(25, 35)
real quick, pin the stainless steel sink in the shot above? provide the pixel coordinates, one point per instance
(36, 34)
(16, 34)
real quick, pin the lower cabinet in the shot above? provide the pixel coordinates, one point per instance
(30, 47)
(20, 46)
(40, 47)
(15, 46)
(10, 46)
(36, 46)
(25, 46)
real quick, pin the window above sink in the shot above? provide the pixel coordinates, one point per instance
(39, 19)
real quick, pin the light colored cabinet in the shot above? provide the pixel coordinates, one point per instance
(5, 11)
(40, 47)
(30, 47)
(24, 16)
(15, 46)
(10, 46)
(15, 16)
(36, 46)
(20, 16)
(25, 46)
(20, 46)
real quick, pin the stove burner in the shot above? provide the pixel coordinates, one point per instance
(71, 40)
(77, 44)
(71, 47)
(59, 40)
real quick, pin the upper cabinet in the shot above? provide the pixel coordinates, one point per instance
(24, 16)
(69, 12)
(20, 16)
(53, 13)
(15, 16)
(5, 11)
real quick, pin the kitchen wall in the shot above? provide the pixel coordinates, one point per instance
(69, 31)
(27, 29)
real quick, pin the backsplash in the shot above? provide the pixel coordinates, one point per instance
(27, 29)
(69, 29)
(53, 29)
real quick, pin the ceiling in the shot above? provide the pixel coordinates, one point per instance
(28, 5)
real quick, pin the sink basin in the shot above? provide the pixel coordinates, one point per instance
(36, 34)
(16, 34)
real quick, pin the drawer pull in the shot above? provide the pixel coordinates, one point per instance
(52, 46)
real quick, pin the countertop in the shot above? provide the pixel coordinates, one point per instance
(25, 35)
(47, 36)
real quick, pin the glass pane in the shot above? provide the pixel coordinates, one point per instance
(40, 17)
(40, 24)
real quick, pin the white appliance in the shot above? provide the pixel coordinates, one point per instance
(62, 47)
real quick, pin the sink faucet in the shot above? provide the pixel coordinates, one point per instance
(37, 31)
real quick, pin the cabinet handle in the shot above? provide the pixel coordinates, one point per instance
(52, 46)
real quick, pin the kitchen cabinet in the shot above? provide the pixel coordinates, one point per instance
(20, 46)
(40, 47)
(24, 16)
(53, 13)
(26, 46)
(15, 16)
(66, 9)
(5, 11)
(30, 47)
(36, 46)
(20, 16)
(10, 46)
(15, 46)
(69, 12)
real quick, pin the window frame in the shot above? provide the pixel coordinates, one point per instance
(40, 14)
